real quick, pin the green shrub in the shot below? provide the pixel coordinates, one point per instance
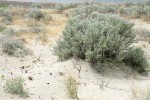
(146, 13)
(37, 5)
(7, 17)
(131, 12)
(12, 46)
(136, 59)
(88, 9)
(15, 86)
(3, 5)
(2, 12)
(36, 14)
(59, 8)
(97, 37)
(9, 32)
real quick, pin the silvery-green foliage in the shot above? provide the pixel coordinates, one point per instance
(9, 32)
(15, 86)
(97, 37)
(7, 17)
(36, 13)
(12, 46)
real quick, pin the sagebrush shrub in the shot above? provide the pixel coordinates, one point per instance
(36, 14)
(9, 32)
(59, 8)
(15, 86)
(12, 46)
(7, 17)
(86, 10)
(131, 12)
(95, 37)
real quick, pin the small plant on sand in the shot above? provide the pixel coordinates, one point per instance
(72, 88)
(15, 86)
(12, 46)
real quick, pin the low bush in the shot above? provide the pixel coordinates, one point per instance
(35, 13)
(36, 27)
(9, 32)
(97, 38)
(59, 8)
(88, 9)
(15, 86)
(12, 46)
(7, 17)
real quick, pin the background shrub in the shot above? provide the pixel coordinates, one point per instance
(59, 8)
(7, 17)
(9, 32)
(12, 46)
(36, 13)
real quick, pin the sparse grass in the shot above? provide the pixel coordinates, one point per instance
(15, 86)
(71, 86)
(36, 27)
(43, 37)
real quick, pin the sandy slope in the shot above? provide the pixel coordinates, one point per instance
(49, 75)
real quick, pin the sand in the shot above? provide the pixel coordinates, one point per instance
(49, 75)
